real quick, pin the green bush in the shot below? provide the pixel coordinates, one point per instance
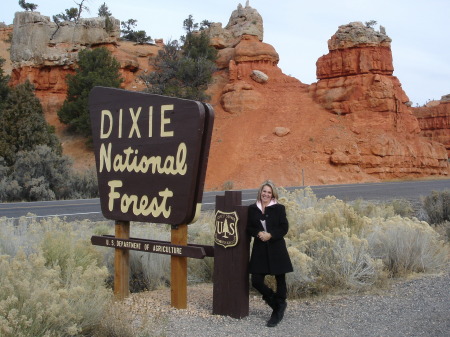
(84, 185)
(96, 67)
(43, 174)
(184, 71)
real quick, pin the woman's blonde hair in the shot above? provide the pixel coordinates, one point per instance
(272, 187)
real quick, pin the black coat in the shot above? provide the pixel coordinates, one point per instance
(270, 257)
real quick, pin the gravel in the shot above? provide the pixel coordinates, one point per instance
(412, 307)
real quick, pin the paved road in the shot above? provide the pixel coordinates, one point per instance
(90, 208)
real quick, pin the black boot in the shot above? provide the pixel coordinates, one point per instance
(278, 312)
(274, 319)
(271, 300)
(281, 308)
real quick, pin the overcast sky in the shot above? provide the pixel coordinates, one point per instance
(299, 30)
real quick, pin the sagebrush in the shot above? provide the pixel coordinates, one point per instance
(53, 282)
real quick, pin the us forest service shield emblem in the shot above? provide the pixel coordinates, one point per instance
(226, 233)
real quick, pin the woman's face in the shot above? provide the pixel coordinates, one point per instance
(266, 194)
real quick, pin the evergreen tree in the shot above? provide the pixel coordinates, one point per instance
(103, 11)
(28, 6)
(96, 67)
(4, 79)
(129, 34)
(23, 124)
(184, 71)
(70, 14)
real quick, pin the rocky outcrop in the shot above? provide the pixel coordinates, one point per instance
(248, 60)
(45, 53)
(37, 41)
(356, 82)
(356, 78)
(434, 121)
(243, 21)
(353, 125)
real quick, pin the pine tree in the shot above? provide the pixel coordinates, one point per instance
(129, 34)
(96, 67)
(28, 6)
(23, 124)
(184, 71)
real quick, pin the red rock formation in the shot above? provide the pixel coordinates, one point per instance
(352, 125)
(434, 122)
(356, 82)
(355, 78)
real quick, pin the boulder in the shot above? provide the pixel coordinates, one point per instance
(259, 76)
(281, 131)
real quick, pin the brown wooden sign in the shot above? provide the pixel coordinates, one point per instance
(151, 153)
(153, 246)
(231, 255)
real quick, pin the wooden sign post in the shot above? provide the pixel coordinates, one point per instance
(231, 256)
(151, 154)
(122, 262)
(178, 271)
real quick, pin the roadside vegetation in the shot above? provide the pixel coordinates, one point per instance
(53, 282)
(32, 166)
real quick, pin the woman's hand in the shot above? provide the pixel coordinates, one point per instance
(264, 236)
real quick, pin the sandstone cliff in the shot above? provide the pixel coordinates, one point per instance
(353, 125)
(45, 54)
(434, 121)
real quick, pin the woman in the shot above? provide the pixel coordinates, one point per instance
(267, 224)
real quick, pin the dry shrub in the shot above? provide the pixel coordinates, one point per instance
(444, 230)
(62, 248)
(304, 211)
(202, 232)
(437, 207)
(340, 260)
(384, 210)
(334, 245)
(147, 271)
(50, 280)
(407, 245)
(301, 281)
(36, 301)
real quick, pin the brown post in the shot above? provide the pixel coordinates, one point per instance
(178, 272)
(122, 262)
(231, 256)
